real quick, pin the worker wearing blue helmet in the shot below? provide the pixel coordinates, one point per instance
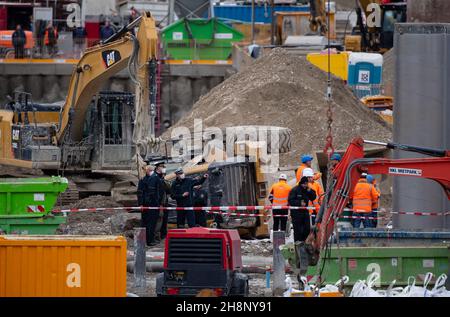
(335, 159)
(375, 205)
(306, 163)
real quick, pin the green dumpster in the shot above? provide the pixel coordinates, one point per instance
(199, 39)
(26, 204)
(393, 263)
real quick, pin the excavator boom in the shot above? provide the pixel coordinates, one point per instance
(348, 171)
(97, 65)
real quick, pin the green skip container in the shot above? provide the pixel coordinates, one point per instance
(26, 205)
(199, 39)
(392, 263)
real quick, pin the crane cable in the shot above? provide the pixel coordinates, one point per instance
(329, 151)
(329, 148)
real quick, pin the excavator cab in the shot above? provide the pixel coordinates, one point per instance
(392, 13)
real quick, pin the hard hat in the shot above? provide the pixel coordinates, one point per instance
(369, 178)
(308, 172)
(179, 171)
(306, 158)
(364, 175)
(283, 176)
(336, 157)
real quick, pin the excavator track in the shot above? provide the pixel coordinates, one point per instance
(70, 196)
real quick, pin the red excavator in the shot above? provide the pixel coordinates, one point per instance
(345, 175)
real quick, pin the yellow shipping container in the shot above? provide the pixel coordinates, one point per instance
(63, 266)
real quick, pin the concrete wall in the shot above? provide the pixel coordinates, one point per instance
(433, 11)
(182, 85)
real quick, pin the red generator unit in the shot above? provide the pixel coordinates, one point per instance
(202, 260)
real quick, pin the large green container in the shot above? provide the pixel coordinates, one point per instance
(199, 39)
(393, 263)
(42, 225)
(26, 203)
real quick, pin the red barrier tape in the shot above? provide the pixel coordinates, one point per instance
(220, 210)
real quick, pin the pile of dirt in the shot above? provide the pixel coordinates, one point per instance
(12, 171)
(96, 201)
(257, 247)
(98, 222)
(285, 90)
(389, 72)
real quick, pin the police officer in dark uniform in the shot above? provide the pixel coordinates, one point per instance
(150, 194)
(165, 202)
(300, 196)
(182, 192)
(200, 197)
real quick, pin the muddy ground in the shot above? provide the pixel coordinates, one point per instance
(257, 285)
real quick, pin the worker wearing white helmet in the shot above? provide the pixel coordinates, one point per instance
(278, 196)
(314, 185)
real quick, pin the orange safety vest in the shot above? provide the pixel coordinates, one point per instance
(376, 203)
(280, 192)
(364, 196)
(46, 37)
(299, 173)
(319, 197)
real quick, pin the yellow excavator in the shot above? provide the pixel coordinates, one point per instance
(83, 134)
(384, 14)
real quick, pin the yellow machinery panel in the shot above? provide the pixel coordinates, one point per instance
(339, 63)
(352, 43)
(6, 118)
(63, 266)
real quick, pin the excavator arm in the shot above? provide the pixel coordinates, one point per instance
(318, 18)
(348, 171)
(101, 62)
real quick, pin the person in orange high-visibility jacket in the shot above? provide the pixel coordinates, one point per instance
(364, 196)
(314, 185)
(51, 39)
(278, 196)
(376, 204)
(306, 163)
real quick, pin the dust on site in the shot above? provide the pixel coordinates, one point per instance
(236, 96)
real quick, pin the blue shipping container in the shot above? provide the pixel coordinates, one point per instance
(243, 13)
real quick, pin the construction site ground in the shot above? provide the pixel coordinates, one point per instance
(280, 89)
(118, 222)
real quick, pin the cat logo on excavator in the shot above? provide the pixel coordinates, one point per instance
(110, 57)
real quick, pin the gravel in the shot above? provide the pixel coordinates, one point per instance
(285, 90)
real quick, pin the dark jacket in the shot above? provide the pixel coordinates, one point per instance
(180, 186)
(106, 32)
(200, 197)
(150, 191)
(300, 197)
(166, 192)
(19, 38)
(79, 35)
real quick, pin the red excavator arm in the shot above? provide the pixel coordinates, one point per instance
(348, 171)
